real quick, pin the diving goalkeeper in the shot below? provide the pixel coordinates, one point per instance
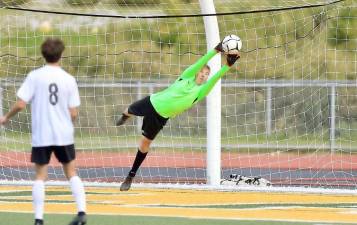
(190, 88)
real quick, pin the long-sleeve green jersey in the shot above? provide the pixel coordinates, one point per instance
(184, 92)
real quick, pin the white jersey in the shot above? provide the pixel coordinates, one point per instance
(51, 92)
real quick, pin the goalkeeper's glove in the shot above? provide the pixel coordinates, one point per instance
(231, 59)
(219, 47)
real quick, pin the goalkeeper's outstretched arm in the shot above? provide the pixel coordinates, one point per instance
(207, 87)
(191, 71)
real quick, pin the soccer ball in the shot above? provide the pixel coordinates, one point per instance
(231, 44)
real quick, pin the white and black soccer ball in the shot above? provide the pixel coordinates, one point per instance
(231, 44)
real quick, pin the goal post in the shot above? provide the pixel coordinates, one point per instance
(213, 99)
(286, 111)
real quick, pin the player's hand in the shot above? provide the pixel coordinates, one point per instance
(3, 120)
(219, 47)
(231, 59)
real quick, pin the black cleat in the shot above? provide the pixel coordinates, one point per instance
(38, 222)
(125, 186)
(79, 220)
(122, 119)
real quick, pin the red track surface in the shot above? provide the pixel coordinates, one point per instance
(197, 160)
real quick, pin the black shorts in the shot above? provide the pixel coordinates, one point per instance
(42, 155)
(153, 122)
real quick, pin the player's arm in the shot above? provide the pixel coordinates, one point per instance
(17, 107)
(207, 87)
(74, 113)
(24, 94)
(74, 101)
(191, 71)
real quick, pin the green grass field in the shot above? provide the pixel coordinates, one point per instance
(53, 219)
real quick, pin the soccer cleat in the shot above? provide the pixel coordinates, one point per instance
(122, 120)
(126, 184)
(79, 220)
(38, 222)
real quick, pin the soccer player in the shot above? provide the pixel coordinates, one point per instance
(54, 98)
(187, 90)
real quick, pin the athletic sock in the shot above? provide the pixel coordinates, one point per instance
(81, 213)
(137, 162)
(38, 221)
(38, 198)
(78, 193)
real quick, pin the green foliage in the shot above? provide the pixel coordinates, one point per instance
(343, 29)
(12, 2)
(137, 2)
(276, 45)
(82, 2)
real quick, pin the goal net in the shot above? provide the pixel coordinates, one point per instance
(288, 109)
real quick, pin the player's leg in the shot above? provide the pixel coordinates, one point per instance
(77, 186)
(38, 192)
(124, 117)
(138, 108)
(152, 125)
(41, 157)
(144, 146)
(78, 192)
(66, 155)
(143, 150)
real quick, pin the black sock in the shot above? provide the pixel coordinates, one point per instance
(39, 221)
(137, 162)
(81, 213)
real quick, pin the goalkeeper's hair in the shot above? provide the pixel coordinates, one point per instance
(52, 49)
(206, 67)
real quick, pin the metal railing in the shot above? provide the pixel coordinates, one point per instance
(266, 84)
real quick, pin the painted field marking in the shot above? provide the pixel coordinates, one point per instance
(190, 204)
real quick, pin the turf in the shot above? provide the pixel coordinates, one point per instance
(27, 218)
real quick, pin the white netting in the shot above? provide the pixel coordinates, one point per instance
(154, 7)
(288, 110)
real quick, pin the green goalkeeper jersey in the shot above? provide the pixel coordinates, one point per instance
(184, 92)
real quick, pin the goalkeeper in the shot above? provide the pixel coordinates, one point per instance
(187, 90)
